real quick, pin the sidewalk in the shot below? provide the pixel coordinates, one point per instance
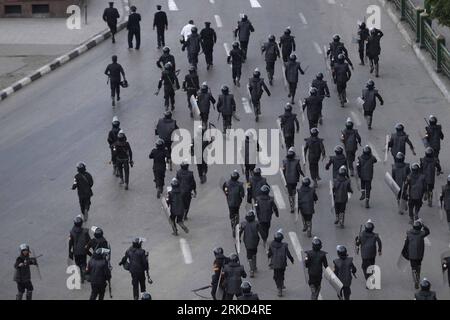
(27, 44)
(443, 30)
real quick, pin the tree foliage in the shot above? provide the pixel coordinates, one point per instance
(440, 10)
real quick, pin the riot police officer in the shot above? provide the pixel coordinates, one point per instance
(400, 171)
(363, 35)
(112, 138)
(22, 275)
(159, 156)
(287, 44)
(255, 184)
(110, 16)
(193, 46)
(342, 75)
(233, 272)
(164, 129)
(425, 293)
(176, 205)
(236, 57)
(337, 161)
(99, 274)
(78, 242)
(188, 186)
(316, 148)
(114, 71)
(243, 30)
(344, 269)
(369, 242)
(208, 39)
(204, 101)
(256, 87)
(399, 139)
(415, 186)
(235, 193)
(265, 207)
(250, 230)
(322, 91)
(292, 171)
(373, 50)
(191, 85)
(97, 242)
(219, 263)
(272, 53)
(226, 105)
(83, 182)
(247, 293)
(315, 259)
(124, 157)
(171, 84)
(278, 254)
(445, 199)
(292, 68)
(165, 58)
(369, 96)
(364, 168)
(341, 189)
(430, 166)
(434, 135)
(307, 197)
(289, 125)
(350, 138)
(313, 106)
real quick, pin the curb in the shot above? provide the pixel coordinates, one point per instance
(58, 62)
(419, 52)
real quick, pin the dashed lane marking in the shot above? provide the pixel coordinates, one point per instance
(279, 197)
(302, 17)
(255, 4)
(186, 250)
(172, 5)
(356, 118)
(246, 105)
(331, 1)
(318, 49)
(218, 21)
(227, 48)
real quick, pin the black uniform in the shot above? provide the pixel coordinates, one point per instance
(250, 230)
(400, 171)
(414, 249)
(307, 197)
(236, 58)
(323, 91)
(165, 58)
(425, 295)
(134, 30)
(287, 45)
(113, 71)
(434, 137)
(159, 156)
(254, 187)
(369, 97)
(278, 255)
(95, 244)
(124, 158)
(171, 84)
(243, 30)
(344, 268)
(250, 156)
(137, 264)
(193, 46)
(187, 186)
(226, 105)
(363, 35)
(445, 201)
(350, 139)
(415, 186)
(99, 274)
(364, 168)
(314, 261)
(110, 16)
(341, 188)
(265, 207)
(208, 38)
(373, 50)
(191, 85)
(343, 74)
(235, 193)
(397, 143)
(78, 242)
(164, 130)
(83, 183)
(313, 106)
(292, 171)
(316, 149)
(429, 166)
(369, 242)
(22, 276)
(202, 166)
(176, 204)
(272, 53)
(289, 125)
(257, 87)
(160, 23)
(204, 100)
(219, 263)
(112, 138)
(336, 161)
(232, 274)
(291, 73)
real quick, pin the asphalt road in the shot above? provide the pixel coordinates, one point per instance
(64, 118)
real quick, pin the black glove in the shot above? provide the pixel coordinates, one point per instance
(132, 163)
(71, 255)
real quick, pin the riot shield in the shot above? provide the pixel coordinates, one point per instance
(333, 280)
(283, 178)
(299, 252)
(332, 197)
(393, 186)
(281, 133)
(195, 109)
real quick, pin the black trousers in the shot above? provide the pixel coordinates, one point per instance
(307, 217)
(251, 253)
(365, 264)
(292, 189)
(97, 290)
(414, 206)
(85, 204)
(187, 197)
(315, 280)
(204, 117)
(416, 264)
(346, 291)
(350, 158)
(22, 286)
(81, 262)
(226, 121)
(202, 169)
(249, 170)
(374, 59)
(339, 207)
(292, 89)
(193, 59)
(169, 96)
(160, 36)
(278, 276)
(137, 35)
(361, 49)
(113, 29)
(168, 146)
(234, 217)
(215, 284)
(230, 296)
(244, 47)
(313, 123)
(366, 185)
(159, 178)
(137, 280)
(190, 93)
(236, 70)
(124, 166)
(264, 231)
(314, 170)
(270, 68)
(115, 88)
(289, 141)
(285, 55)
(208, 55)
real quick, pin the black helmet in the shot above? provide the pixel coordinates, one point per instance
(429, 152)
(362, 25)
(370, 84)
(218, 251)
(399, 127)
(336, 38)
(160, 143)
(341, 251)
(288, 107)
(448, 178)
(271, 38)
(278, 236)
(244, 17)
(415, 167)
(98, 233)
(257, 171)
(115, 121)
(400, 156)
(265, 189)
(293, 57)
(369, 226)
(314, 132)
(250, 216)
(168, 66)
(114, 58)
(174, 182)
(235, 175)
(291, 152)
(204, 87)
(81, 167)
(246, 287)
(256, 73)
(235, 44)
(319, 76)
(338, 150)
(184, 164)
(349, 123)
(417, 225)
(341, 57)
(367, 150)
(425, 285)
(24, 247)
(194, 29)
(287, 31)
(306, 181)
(166, 50)
(373, 31)
(192, 69)
(432, 119)
(342, 170)
(313, 91)
(168, 114)
(234, 258)
(146, 296)
(78, 221)
(137, 242)
(316, 244)
(225, 89)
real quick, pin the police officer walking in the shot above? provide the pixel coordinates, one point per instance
(292, 171)
(165, 58)
(233, 272)
(369, 96)
(272, 53)
(322, 91)
(289, 125)
(343, 74)
(164, 129)
(97, 242)
(114, 71)
(373, 50)
(226, 105)
(250, 229)
(415, 186)
(243, 30)
(247, 293)
(256, 87)
(202, 165)
(370, 244)
(344, 269)
(292, 68)
(363, 35)
(160, 23)
(398, 140)
(112, 138)
(445, 199)
(335, 49)
(400, 171)
(313, 106)
(350, 138)
(99, 274)
(188, 186)
(124, 157)
(425, 293)
(278, 255)
(287, 44)
(251, 147)
(315, 146)
(176, 205)
(341, 189)
(235, 193)
(171, 84)
(135, 261)
(191, 85)
(159, 156)
(307, 197)
(265, 207)
(110, 16)
(236, 58)
(22, 275)
(204, 101)
(193, 46)
(364, 168)
(208, 39)
(134, 28)
(338, 160)
(430, 167)
(78, 242)
(315, 259)
(414, 248)
(255, 184)
(219, 263)
(434, 135)
(83, 182)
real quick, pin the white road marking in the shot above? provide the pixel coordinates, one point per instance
(427, 241)
(296, 244)
(331, 1)
(355, 118)
(186, 250)
(172, 5)
(246, 105)
(255, 4)
(218, 21)
(316, 45)
(227, 48)
(279, 197)
(284, 75)
(212, 1)
(374, 152)
(302, 17)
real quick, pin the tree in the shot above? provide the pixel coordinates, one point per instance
(440, 10)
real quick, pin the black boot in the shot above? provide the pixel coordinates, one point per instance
(19, 296)
(29, 295)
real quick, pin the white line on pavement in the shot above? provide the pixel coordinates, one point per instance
(211, 1)
(374, 152)
(227, 48)
(218, 21)
(255, 4)
(316, 45)
(172, 5)
(296, 244)
(246, 105)
(355, 118)
(331, 1)
(427, 241)
(302, 17)
(279, 197)
(186, 250)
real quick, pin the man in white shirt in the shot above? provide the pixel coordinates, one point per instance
(186, 31)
